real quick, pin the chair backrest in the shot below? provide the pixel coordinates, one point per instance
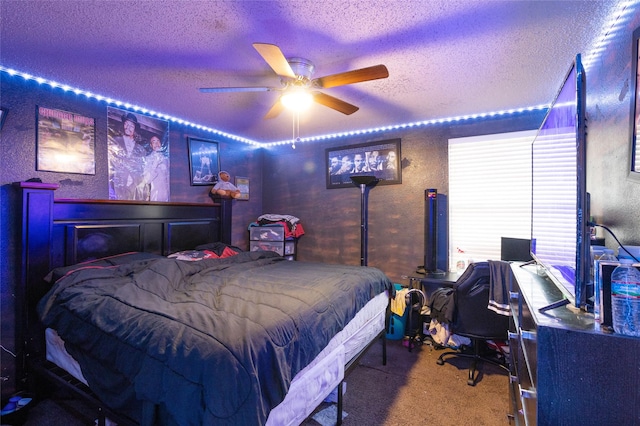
(472, 318)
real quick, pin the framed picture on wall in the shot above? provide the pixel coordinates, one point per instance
(204, 161)
(65, 142)
(139, 162)
(242, 183)
(380, 159)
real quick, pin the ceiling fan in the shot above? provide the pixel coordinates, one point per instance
(295, 76)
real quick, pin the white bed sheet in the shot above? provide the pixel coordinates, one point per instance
(310, 386)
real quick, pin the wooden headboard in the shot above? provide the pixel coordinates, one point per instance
(61, 232)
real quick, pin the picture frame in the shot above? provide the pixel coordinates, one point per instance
(634, 145)
(242, 183)
(380, 159)
(65, 142)
(138, 156)
(3, 116)
(204, 161)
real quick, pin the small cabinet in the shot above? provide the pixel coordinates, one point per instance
(272, 238)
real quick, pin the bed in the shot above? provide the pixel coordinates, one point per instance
(248, 338)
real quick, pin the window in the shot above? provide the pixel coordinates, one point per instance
(489, 194)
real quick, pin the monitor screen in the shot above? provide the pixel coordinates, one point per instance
(515, 249)
(559, 232)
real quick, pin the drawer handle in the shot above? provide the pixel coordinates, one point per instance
(528, 393)
(528, 335)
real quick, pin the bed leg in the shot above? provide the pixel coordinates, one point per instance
(384, 349)
(101, 417)
(339, 410)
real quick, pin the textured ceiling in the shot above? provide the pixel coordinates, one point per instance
(445, 57)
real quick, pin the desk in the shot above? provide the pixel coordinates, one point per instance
(431, 283)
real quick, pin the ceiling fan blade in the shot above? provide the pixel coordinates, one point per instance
(356, 76)
(236, 89)
(334, 103)
(275, 110)
(275, 58)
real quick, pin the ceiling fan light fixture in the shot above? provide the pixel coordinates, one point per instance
(297, 100)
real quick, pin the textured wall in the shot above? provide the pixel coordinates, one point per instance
(331, 217)
(615, 194)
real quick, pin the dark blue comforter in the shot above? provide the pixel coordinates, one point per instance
(216, 341)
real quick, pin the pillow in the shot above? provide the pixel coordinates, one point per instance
(193, 255)
(114, 260)
(206, 251)
(219, 248)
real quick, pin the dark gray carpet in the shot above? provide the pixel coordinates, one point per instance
(410, 390)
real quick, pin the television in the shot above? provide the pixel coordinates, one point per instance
(560, 235)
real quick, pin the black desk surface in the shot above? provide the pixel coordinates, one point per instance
(441, 278)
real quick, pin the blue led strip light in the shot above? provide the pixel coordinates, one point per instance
(121, 104)
(411, 125)
(622, 14)
(146, 111)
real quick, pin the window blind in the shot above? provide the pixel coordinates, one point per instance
(489, 194)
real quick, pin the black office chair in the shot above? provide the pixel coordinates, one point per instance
(472, 318)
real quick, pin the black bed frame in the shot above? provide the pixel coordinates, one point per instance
(62, 232)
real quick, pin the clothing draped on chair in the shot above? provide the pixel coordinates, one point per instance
(442, 308)
(468, 308)
(500, 283)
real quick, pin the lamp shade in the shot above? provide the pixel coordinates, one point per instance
(296, 100)
(363, 179)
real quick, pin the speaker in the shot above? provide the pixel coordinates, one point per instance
(431, 230)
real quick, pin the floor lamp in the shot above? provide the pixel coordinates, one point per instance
(364, 181)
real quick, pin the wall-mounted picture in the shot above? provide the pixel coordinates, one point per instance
(380, 159)
(138, 156)
(65, 142)
(204, 161)
(242, 183)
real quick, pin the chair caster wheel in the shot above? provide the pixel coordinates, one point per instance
(440, 361)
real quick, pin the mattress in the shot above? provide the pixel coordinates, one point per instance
(310, 386)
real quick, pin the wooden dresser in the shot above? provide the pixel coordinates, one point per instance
(566, 370)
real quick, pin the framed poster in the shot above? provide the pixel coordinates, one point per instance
(242, 183)
(380, 159)
(204, 161)
(65, 142)
(138, 147)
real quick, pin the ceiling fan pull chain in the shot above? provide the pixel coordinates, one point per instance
(296, 128)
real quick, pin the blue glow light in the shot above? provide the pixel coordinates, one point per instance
(610, 31)
(120, 104)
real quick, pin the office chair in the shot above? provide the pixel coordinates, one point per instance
(472, 318)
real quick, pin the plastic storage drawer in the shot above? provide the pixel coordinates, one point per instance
(278, 247)
(266, 233)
